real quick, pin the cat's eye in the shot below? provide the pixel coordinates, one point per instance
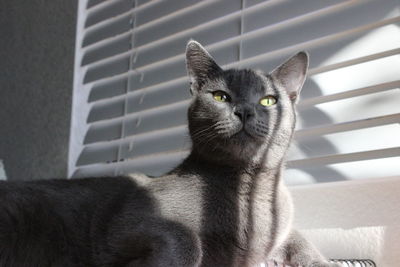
(221, 96)
(268, 100)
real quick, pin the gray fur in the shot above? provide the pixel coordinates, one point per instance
(224, 206)
(229, 190)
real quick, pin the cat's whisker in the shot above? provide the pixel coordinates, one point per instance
(222, 123)
(224, 131)
(200, 134)
(196, 134)
(206, 138)
(223, 127)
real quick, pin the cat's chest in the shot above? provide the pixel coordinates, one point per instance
(256, 208)
(263, 219)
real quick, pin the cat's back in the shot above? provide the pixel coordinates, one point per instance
(52, 222)
(57, 192)
(75, 200)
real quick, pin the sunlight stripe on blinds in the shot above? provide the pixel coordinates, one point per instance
(131, 90)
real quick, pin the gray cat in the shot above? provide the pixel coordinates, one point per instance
(225, 205)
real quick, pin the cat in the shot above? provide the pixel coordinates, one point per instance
(224, 205)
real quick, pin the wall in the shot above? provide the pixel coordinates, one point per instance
(37, 40)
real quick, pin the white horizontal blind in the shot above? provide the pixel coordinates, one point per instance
(131, 90)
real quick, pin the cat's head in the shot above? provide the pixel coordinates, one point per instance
(242, 116)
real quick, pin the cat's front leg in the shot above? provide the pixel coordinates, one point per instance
(155, 242)
(297, 251)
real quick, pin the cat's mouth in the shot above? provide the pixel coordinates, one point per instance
(243, 134)
(249, 132)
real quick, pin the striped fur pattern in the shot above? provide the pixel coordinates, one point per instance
(225, 205)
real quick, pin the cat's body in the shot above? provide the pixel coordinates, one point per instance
(237, 218)
(225, 205)
(72, 223)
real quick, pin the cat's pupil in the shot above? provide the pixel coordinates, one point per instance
(268, 101)
(220, 96)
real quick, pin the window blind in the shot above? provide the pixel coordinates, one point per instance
(131, 92)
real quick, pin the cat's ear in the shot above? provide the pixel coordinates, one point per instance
(292, 74)
(200, 65)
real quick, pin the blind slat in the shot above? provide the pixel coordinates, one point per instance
(305, 103)
(115, 8)
(92, 3)
(347, 126)
(341, 158)
(163, 161)
(159, 141)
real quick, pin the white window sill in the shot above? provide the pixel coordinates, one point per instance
(352, 219)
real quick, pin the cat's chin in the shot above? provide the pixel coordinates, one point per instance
(244, 136)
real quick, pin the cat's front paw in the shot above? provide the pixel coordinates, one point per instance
(325, 264)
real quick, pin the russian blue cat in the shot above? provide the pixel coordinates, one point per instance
(224, 205)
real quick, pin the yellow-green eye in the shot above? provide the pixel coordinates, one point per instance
(268, 100)
(220, 96)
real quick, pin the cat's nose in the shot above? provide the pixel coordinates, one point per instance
(243, 113)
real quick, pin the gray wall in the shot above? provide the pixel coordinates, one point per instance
(37, 39)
